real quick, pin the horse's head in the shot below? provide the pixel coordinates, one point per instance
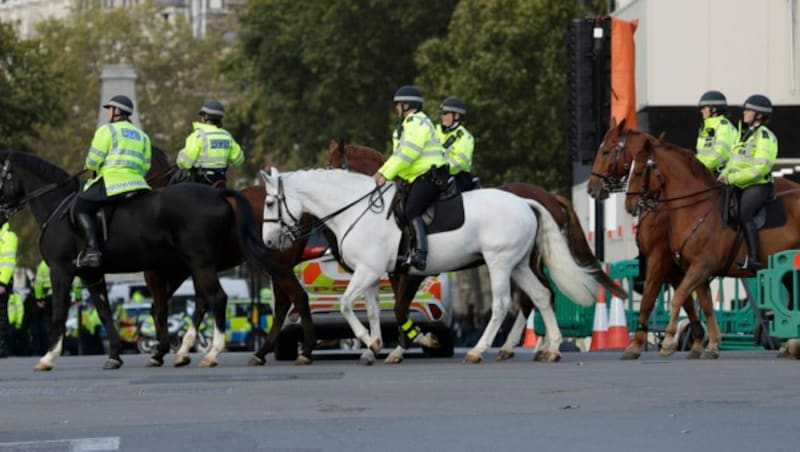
(355, 158)
(645, 183)
(613, 159)
(281, 214)
(337, 154)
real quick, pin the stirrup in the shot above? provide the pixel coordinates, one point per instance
(751, 265)
(88, 258)
(417, 260)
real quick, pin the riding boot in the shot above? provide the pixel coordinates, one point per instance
(91, 256)
(419, 256)
(751, 263)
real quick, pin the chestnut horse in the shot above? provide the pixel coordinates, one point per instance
(669, 179)
(287, 289)
(366, 160)
(609, 173)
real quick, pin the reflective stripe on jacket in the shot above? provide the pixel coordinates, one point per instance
(752, 158)
(715, 142)
(210, 147)
(120, 154)
(458, 147)
(416, 149)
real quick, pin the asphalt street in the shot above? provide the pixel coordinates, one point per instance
(744, 401)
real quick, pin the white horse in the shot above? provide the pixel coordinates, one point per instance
(499, 228)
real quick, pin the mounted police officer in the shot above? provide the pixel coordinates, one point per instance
(457, 141)
(750, 171)
(8, 261)
(120, 158)
(210, 149)
(717, 136)
(418, 159)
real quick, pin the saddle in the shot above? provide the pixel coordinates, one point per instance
(103, 215)
(445, 214)
(771, 215)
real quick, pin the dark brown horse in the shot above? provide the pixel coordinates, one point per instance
(286, 288)
(670, 179)
(609, 173)
(367, 160)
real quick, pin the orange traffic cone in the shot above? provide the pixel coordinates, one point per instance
(618, 337)
(530, 338)
(600, 327)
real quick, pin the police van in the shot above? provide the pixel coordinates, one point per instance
(325, 280)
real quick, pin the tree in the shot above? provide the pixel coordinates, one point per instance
(507, 60)
(315, 70)
(30, 84)
(175, 73)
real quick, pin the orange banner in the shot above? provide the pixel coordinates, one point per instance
(623, 71)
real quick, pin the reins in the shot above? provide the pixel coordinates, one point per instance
(12, 207)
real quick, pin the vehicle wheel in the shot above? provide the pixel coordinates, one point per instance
(145, 345)
(446, 347)
(255, 340)
(286, 348)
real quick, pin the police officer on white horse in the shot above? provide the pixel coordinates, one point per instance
(418, 159)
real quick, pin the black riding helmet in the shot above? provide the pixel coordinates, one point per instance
(123, 103)
(714, 100)
(453, 104)
(212, 108)
(759, 103)
(409, 94)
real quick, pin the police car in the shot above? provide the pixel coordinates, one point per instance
(325, 280)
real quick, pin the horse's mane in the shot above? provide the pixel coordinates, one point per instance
(695, 166)
(36, 165)
(160, 156)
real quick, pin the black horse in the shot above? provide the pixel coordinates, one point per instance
(178, 229)
(287, 290)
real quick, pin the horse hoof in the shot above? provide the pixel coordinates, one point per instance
(256, 361)
(694, 354)
(375, 346)
(539, 356)
(302, 360)
(182, 360)
(793, 348)
(155, 362)
(112, 363)
(472, 358)
(208, 362)
(393, 359)
(367, 359)
(42, 367)
(628, 356)
(709, 354)
(503, 355)
(666, 352)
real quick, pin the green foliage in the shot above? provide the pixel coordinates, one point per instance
(507, 60)
(315, 70)
(29, 88)
(175, 73)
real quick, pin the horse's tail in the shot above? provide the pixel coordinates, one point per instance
(573, 280)
(580, 250)
(253, 247)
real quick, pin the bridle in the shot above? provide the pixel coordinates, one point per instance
(294, 231)
(345, 160)
(610, 181)
(9, 208)
(649, 199)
